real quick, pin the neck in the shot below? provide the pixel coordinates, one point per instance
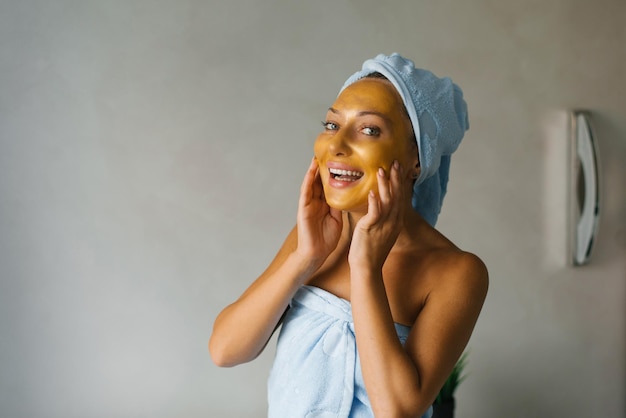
(412, 223)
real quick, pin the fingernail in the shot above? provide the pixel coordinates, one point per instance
(381, 172)
(396, 164)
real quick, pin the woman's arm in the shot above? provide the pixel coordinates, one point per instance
(403, 381)
(242, 329)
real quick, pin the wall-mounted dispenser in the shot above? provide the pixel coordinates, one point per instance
(584, 197)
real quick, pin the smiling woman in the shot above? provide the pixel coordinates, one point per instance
(363, 131)
(376, 305)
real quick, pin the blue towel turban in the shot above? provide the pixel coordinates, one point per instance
(439, 117)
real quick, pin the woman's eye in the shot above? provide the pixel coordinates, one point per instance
(371, 131)
(330, 126)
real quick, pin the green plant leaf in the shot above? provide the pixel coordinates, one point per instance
(453, 381)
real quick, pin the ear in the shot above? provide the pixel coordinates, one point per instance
(410, 161)
(415, 171)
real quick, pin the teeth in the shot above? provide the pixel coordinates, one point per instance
(345, 172)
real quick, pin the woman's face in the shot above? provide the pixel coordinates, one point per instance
(366, 128)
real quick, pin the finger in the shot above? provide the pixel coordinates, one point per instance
(373, 208)
(318, 187)
(310, 174)
(383, 187)
(397, 188)
(307, 183)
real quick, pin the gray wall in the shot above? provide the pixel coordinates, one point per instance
(150, 158)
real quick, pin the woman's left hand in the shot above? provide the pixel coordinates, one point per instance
(376, 232)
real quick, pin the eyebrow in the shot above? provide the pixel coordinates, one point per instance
(365, 113)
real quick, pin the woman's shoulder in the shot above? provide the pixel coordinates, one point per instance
(439, 264)
(448, 270)
(456, 264)
(432, 268)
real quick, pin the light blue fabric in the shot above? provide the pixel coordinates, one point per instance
(438, 113)
(316, 372)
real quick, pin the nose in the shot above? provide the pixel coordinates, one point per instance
(340, 144)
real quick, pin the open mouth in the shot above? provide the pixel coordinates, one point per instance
(345, 175)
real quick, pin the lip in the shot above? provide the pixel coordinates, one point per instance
(342, 166)
(332, 182)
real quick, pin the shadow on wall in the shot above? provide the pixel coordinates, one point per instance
(612, 150)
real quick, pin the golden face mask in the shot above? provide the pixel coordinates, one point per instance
(365, 129)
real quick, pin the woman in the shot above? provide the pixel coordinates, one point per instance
(376, 305)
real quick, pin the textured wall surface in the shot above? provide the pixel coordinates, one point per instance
(150, 158)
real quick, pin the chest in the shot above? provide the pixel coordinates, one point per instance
(405, 290)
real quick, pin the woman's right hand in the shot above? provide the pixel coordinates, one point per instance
(242, 330)
(319, 225)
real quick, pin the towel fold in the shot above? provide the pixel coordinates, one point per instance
(438, 114)
(316, 372)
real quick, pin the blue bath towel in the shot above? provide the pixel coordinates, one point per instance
(438, 114)
(316, 371)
